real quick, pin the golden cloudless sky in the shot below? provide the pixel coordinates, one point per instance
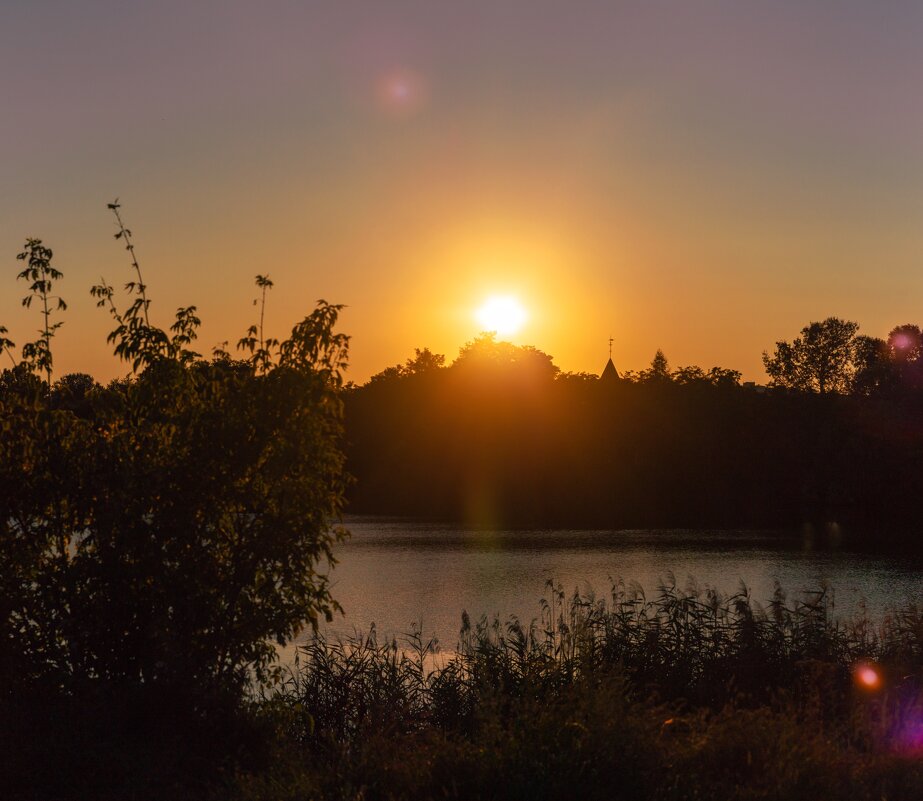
(704, 178)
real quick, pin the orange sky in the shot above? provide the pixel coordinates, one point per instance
(705, 180)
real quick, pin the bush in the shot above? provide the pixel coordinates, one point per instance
(159, 536)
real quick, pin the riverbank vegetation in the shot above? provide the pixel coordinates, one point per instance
(684, 695)
(501, 437)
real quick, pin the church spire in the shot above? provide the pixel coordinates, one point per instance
(609, 372)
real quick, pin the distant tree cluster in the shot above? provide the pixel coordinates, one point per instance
(831, 356)
(501, 436)
(659, 371)
(423, 362)
(484, 354)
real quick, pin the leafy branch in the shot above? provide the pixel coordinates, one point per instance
(39, 270)
(7, 345)
(314, 347)
(132, 286)
(254, 341)
(135, 339)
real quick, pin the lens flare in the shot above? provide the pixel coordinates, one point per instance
(910, 739)
(867, 676)
(401, 91)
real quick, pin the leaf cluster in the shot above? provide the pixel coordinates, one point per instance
(172, 528)
(41, 276)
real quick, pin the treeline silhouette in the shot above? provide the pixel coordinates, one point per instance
(502, 437)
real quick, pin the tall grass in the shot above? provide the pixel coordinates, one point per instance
(684, 695)
(687, 694)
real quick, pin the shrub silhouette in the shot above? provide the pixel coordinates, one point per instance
(167, 530)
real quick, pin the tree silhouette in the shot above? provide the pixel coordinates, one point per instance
(822, 359)
(424, 361)
(905, 343)
(163, 534)
(485, 355)
(876, 371)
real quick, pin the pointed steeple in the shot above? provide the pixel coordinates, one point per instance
(609, 372)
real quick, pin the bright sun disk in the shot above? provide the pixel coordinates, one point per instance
(501, 314)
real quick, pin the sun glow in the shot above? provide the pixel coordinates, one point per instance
(502, 314)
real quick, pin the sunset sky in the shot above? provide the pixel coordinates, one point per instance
(702, 177)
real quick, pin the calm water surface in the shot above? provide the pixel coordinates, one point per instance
(398, 573)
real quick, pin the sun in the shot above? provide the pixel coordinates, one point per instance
(502, 314)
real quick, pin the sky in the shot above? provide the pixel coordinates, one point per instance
(700, 177)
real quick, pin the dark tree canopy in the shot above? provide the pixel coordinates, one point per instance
(905, 351)
(659, 369)
(683, 447)
(822, 359)
(167, 530)
(423, 362)
(486, 355)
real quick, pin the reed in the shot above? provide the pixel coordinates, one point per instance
(685, 694)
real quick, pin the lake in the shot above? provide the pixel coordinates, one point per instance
(397, 573)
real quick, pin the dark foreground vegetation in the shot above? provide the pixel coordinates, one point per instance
(688, 695)
(502, 438)
(158, 537)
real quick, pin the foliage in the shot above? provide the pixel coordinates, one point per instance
(75, 392)
(831, 356)
(165, 532)
(423, 362)
(716, 376)
(659, 369)
(484, 358)
(685, 695)
(255, 342)
(822, 359)
(518, 444)
(659, 373)
(905, 343)
(41, 275)
(875, 373)
(903, 354)
(7, 344)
